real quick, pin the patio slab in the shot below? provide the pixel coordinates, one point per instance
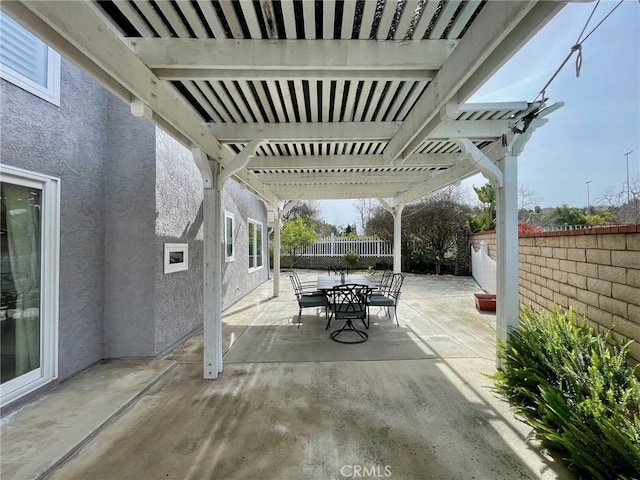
(42, 434)
(413, 401)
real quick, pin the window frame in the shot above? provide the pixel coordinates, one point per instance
(255, 225)
(49, 92)
(228, 236)
(50, 283)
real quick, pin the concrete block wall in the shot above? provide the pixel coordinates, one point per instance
(596, 271)
(489, 237)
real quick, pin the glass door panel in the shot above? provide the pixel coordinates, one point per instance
(20, 272)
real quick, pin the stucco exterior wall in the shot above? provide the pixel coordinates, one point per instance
(237, 281)
(126, 189)
(68, 142)
(130, 235)
(178, 202)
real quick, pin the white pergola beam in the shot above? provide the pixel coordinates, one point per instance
(241, 74)
(467, 68)
(327, 192)
(341, 178)
(350, 131)
(459, 171)
(435, 160)
(305, 132)
(282, 55)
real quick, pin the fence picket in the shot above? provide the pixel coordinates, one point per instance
(339, 246)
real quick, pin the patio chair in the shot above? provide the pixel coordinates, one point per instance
(306, 288)
(308, 300)
(385, 283)
(390, 299)
(349, 304)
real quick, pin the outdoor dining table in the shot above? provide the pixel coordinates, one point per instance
(327, 282)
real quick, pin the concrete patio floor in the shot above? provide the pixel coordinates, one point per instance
(413, 402)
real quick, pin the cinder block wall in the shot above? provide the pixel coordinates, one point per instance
(596, 271)
(489, 237)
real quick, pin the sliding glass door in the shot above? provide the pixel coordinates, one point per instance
(28, 274)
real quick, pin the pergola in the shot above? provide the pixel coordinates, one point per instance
(302, 99)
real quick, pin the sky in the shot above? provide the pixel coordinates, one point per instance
(584, 141)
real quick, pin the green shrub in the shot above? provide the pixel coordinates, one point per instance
(352, 257)
(576, 390)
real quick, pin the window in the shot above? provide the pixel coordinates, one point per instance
(228, 237)
(28, 62)
(29, 233)
(255, 245)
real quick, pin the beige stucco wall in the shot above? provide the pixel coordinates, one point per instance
(596, 271)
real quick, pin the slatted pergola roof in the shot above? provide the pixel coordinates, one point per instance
(302, 99)
(354, 98)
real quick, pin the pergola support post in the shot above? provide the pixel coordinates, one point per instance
(507, 249)
(276, 252)
(396, 211)
(213, 181)
(211, 271)
(397, 238)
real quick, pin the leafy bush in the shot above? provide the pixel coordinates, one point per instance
(352, 257)
(527, 228)
(576, 390)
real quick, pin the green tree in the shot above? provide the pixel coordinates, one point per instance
(566, 215)
(296, 234)
(601, 218)
(433, 223)
(487, 219)
(350, 231)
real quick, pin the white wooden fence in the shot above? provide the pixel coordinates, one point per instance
(484, 268)
(338, 246)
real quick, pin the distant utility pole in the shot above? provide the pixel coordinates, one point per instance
(628, 185)
(588, 201)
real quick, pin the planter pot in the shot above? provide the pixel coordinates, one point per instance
(485, 302)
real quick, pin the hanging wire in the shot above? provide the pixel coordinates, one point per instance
(588, 20)
(542, 95)
(578, 48)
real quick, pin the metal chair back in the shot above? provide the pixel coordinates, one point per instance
(350, 301)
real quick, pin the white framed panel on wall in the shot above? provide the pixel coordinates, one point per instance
(176, 257)
(30, 275)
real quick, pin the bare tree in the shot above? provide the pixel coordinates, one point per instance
(308, 210)
(623, 202)
(527, 202)
(365, 208)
